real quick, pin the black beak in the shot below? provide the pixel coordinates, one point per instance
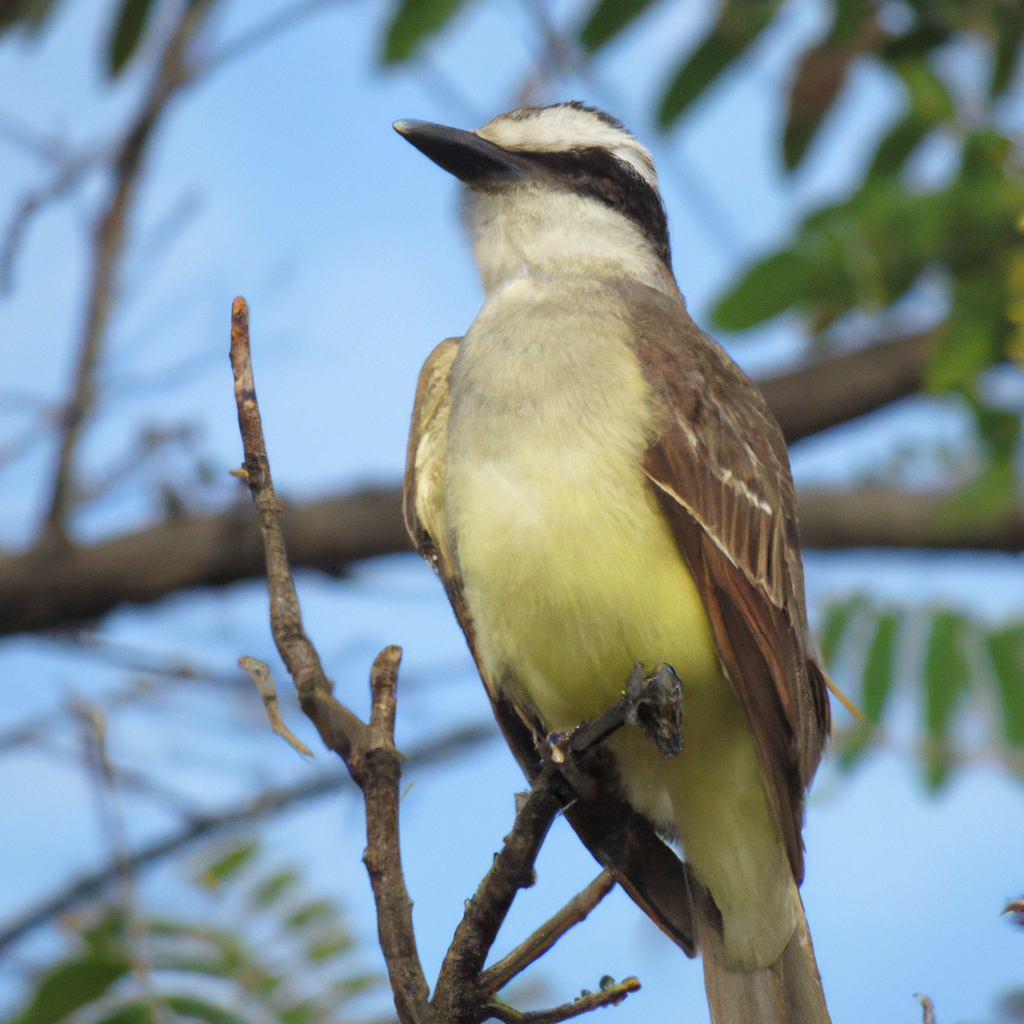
(470, 158)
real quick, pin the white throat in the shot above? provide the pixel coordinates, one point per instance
(539, 232)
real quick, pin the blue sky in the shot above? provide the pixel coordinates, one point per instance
(345, 242)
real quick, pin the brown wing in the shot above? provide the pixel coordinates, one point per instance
(721, 470)
(618, 837)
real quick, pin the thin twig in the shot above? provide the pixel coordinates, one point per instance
(174, 72)
(94, 729)
(368, 750)
(260, 675)
(341, 730)
(511, 871)
(576, 910)
(369, 753)
(928, 1008)
(611, 995)
(66, 179)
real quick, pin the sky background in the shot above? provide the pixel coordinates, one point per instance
(344, 241)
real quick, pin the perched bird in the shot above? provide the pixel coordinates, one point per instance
(598, 485)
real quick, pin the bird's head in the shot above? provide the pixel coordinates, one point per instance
(558, 190)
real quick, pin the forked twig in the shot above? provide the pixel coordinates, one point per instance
(261, 677)
(464, 993)
(576, 910)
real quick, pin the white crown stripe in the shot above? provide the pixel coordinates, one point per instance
(566, 127)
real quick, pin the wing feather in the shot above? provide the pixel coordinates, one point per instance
(720, 468)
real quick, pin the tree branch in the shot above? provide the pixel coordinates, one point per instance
(889, 517)
(42, 589)
(576, 910)
(49, 587)
(369, 753)
(108, 245)
(836, 388)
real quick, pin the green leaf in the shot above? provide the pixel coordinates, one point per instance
(128, 32)
(1009, 25)
(945, 680)
(1006, 649)
(413, 22)
(970, 338)
(73, 983)
(901, 140)
(608, 19)
(200, 1009)
(133, 1013)
(878, 667)
(999, 430)
(765, 290)
(986, 499)
(29, 13)
(327, 947)
(739, 24)
(823, 72)
(928, 34)
(837, 620)
(305, 1012)
(271, 889)
(929, 96)
(315, 912)
(349, 988)
(225, 867)
(930, 105)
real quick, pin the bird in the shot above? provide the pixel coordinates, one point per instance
(599, 487)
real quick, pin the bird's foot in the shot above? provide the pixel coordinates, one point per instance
(654, 703)
(657, 707)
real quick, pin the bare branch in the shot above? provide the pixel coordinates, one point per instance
(890, 517)
(576, 910)
(67, 178)
(41, 589)
(928, 1016)
(260, 675)
(836, 388)
(259, 808)
(341, 730)
(48, 147)
(108, 244)
(611, 995)
(511, 871)
(44, 588)
(368, 750)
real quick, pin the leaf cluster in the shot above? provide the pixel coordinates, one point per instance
(951, 657)
(132, 19)
(285, 959)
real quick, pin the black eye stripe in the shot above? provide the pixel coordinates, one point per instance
(595, 172)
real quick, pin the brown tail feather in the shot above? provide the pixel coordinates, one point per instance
(787, 992)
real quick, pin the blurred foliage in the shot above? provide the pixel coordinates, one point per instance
(284, 958)
(25, 14)
(865, 254)
(957, 666)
